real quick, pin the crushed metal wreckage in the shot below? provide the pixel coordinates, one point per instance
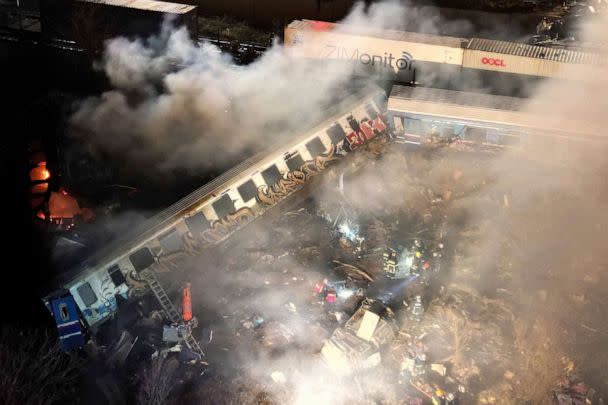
(358, 344)
(574, 391)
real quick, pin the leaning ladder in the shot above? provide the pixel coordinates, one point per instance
(170, 311)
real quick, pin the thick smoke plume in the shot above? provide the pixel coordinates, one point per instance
(178, 105)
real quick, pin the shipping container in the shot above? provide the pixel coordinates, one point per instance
(533, 60)
(392, 52)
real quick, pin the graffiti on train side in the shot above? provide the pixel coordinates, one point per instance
(222, 227)
(137, 286)
(291, 181)
(367, 130)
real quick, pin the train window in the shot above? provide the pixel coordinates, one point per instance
(315, 147)
(171, 242)
(336, 133)
(352, 122)
(398, 124)
(116, 275)
(142, 259)
(459, 130)
(412, 126)
(509, 139)
(371, 112)
(428, 127)
(197, 223)
(247, 190)
(380, 100)
(476, 135)
(448, 131)
(63, 312)
(271, 175)
(294, 162)
(87, 295)
(492, 136)
(224, 206)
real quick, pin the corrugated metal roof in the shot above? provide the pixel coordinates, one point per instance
(571, 55)
(362, 31)
(149, 5)
(461, 98)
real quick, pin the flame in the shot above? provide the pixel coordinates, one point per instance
(40, 188)
(40, 172)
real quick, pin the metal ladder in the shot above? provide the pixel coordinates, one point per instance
(170, 311)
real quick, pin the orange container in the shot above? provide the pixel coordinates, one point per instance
(186, 303)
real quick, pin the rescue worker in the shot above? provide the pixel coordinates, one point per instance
(331, 299)
(320, 287)
(543, 27)
(419, 365)
(417, 309)
(439, 397)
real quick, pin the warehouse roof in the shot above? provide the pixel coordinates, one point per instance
(149, 5)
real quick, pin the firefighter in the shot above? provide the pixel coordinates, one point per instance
(419, 365)
(331, 299)
(417, 309)
(321, 288)
(389, 262)
(439, 397)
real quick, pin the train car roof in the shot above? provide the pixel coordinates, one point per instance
(490, 109)
(147, 5)
(310, 25)
(570, 55)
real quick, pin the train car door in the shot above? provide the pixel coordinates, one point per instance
(68, 323)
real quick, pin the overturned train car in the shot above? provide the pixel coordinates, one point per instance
(210, 215)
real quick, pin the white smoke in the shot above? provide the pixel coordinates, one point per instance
(179, 105)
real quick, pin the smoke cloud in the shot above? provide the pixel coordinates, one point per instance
(178, 105)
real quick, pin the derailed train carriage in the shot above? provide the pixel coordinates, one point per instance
(474, 121)
(441, 61)
(209, 215)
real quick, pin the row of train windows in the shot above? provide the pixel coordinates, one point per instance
(197, 223)
(86, 293)
(272, 174)
(428, 127)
